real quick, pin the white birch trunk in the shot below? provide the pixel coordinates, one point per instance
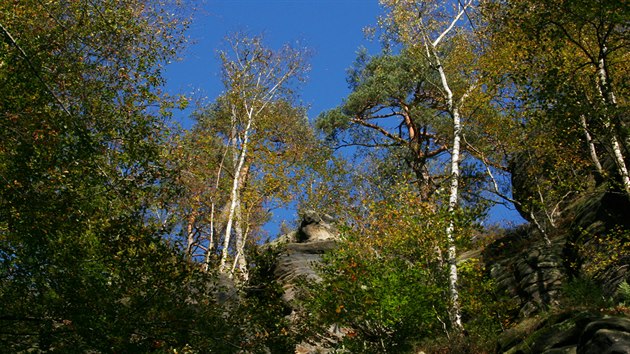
(210, 248)
(211, 237)
(190, 233)
(609, 99)
(453, 110)
(453, 200)
(234, 195)
(456, 317)
(240, 262)
(591, 145)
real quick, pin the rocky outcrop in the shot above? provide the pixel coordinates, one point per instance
(570, 333)
(588, 243)
(525, 267)
(301, 253)
(302, 250)
(533, 271)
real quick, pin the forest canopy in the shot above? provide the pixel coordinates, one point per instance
(122, 232)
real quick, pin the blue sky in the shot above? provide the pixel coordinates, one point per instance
(331, 29)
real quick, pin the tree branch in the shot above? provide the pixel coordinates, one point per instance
(12, 41)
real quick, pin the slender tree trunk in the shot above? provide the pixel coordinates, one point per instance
(240, 261)
(210, 248)
(190, 233)
(456, 317)
(591, 145)
(234, 195)
(211, 237)
(455, 311)
(608, 97)
(621, 164)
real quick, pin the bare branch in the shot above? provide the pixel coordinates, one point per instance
(379, 129)
(452, 24)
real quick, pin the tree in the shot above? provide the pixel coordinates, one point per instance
(384, 288)
(83, 264)
(437, 31)
(565, 64)
(258, 147)
(392, 106)
(255, 79)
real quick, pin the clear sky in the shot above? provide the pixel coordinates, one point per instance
(331, 29)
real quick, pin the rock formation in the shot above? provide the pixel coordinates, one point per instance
(534, 273)
(301, 252)
(571, 333)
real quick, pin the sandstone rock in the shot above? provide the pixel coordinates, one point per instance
(579, 333)
(606, 341)
(564, 350)
(301, 253)
(608, 335)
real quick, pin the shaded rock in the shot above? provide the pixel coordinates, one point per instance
(534, 276)
(302, 251)
(580, 333)
(608, 335)
(607, 341)
(563, 350)
(300, 254)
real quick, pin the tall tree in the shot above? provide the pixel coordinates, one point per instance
(566, 64)
(259, 144)
(83, 267)
(440, 31)
(392, 106)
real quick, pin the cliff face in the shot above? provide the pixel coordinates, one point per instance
(300, 254)
(301, 251)
(587, 245)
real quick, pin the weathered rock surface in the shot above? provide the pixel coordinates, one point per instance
(533, 277)
(535, 274)
(579, 333)
(301, 253)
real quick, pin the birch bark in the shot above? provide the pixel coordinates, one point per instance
(453, 109)
(608, 98)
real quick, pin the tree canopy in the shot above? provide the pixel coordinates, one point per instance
(121, 232)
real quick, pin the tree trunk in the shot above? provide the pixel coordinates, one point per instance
(240, 261)
(190, 233)
(591, 145)
(234, 195)
(455, 311)
(456, 317)
(608, 97)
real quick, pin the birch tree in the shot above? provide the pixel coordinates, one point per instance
(568, 60)
(253, 125)
(434, 29)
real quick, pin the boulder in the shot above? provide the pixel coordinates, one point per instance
(579, 333)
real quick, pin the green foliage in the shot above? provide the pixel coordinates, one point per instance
(584, 292)
(385, 285)
(83, 264)
(383, 302)
(547, 63)
(262, 314)
(598, 252)
(485, 310)
(624, 292)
